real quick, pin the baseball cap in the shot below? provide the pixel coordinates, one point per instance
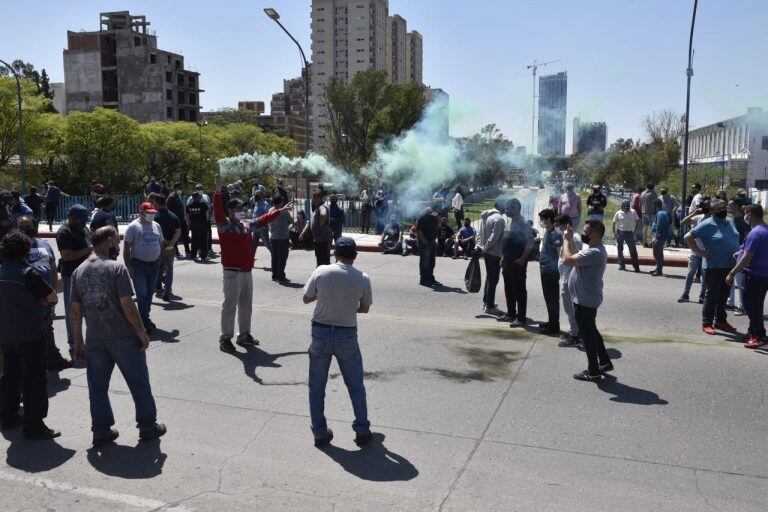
(78, 211)
(345, 247)
(147, 207)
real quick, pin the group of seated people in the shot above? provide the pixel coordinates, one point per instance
(395, 240)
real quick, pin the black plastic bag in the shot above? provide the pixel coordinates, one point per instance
(472, 277)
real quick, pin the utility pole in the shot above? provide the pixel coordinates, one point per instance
(689, 75)
(535, 67)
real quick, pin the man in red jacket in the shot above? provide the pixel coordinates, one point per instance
(237, 253)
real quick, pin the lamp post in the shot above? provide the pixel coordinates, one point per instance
(722, 172)
(689, 74)
(274, 16)
(200, 131)
(22, 160)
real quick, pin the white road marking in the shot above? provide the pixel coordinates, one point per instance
(90, 492)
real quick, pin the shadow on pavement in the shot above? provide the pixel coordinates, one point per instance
(173, 305)
(373, 462)
(627, 394)
(56, 384)
(441, 288)
(34, 456)
(145, 460)
(164, 336)
(254, 358)
(291, 285)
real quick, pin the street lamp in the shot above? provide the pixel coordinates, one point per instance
(722, 172)
(689, 74)
(21, 127)
(274, 16)
(200, 125)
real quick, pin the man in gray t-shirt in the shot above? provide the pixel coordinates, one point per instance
(585, 285)
(648, 207)
(279, 231)
(341, 292)
(101, 293)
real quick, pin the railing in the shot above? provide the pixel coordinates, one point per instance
(126, 207)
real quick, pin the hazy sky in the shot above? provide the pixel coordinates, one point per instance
(624, 58)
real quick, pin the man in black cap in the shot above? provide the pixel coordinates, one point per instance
(341, 291)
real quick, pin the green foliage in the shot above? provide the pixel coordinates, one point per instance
(487, 148)
(33, 108)
(366, 111)
(225, 116)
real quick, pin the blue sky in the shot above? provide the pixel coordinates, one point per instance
(624, 58)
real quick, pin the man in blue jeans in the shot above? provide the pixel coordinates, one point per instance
(341, 291)
(101, 292)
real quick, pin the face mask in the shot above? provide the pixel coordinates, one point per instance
(542, 224)
(559, 231)
(30, 232)
(149, 217)
(240, 215)
(721, 214)
(178, 191)
(114, 252)
(585, 238)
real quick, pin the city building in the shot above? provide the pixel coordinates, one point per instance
(120, 67)
(397, 32)
(588, 137)
(59, 97)
(414, 58)
(739, 143)
(553, 94)
(254, 106)
(288, 109)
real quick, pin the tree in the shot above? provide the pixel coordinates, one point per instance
(33, 107)
(664, 126)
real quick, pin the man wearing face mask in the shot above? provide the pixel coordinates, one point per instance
(144, 254)
(551, 241)
(74, 242)
(42, 258)
(516, 245)
(720, 239)
(104, 216)
(624, 224)
(586, 288)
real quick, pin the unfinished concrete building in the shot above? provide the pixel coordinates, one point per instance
(289, 110)
(120, 67)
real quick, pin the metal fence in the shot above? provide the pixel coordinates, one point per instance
(126, 207)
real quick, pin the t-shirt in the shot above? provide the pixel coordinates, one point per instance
(597, 202)
(565, 270)
(168, 222)
(392, 233)
(648, 202)
(625, 221)
(52, 195)
(340, 289)
(428, 224)
(98, 285)
(34, 201)
(585, 284)
(321, 232)
(517, 234)
(570, 204)
(198, 213)
(146, 238)
(756, 243)
(444, 232)
(549, 252)
(176, 206)
(280, 227)
(668, 202)
(467, 232)
(72, 238)
(101, 219)
(42, 259)
(720, 239)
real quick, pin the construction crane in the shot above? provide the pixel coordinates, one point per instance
(535, 67)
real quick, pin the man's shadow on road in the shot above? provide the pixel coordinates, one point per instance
(254, 357)
(145, 460)
(627, 394)
(441, 288)
(34, 456)
(373, 462)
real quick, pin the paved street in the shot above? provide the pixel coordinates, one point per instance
(469, 414)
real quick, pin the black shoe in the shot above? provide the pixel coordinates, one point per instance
(656, 273)
(362, 440)
(225, 345)
(637, 270)
(516, 323)
(683, 298)
(436, 283)
(150, 326)
(105, 440)
(701, 300)
(322, 441)
(570, 341)
(165, 298)
(158, 430)
(604, 368)
(552, 330)
(11, 422)
(425, 283)
(586, 376)
(58, 364)
(543, 326)
(622, 268)
(247, 341)
(41, 433)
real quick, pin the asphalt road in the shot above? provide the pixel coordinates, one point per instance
(469, 414)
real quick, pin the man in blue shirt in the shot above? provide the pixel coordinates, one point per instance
(661, 231)
(260, 207)
(516, 245)
(52, 197)
(721, 240)
(551, 242)
(467, 237)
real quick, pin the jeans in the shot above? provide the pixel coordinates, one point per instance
(67, 297)
(199, 240)
(322, 253)
(24, 375)
(550, 286)
(467, 248)
(492, 272)
(514, 289)
(445, 247)
(738, 282)
(144, 280)
(279, 257)
(755, 288)
(717, 295)
(100, 358)
(658, 254)
(366, 220)
(627, 237)
(340, 342)
(694, 265)
(593, 341)
(261, 234)
(427, 262)
(565, 296)
(165, 281)
(596, 216)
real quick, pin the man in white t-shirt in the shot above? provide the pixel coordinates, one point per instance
(572, 338)
(143, 255)
(624, 223)
(341, 292)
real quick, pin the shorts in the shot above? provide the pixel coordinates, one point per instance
(648, 219)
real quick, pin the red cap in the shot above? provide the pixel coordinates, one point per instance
(147, 207)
